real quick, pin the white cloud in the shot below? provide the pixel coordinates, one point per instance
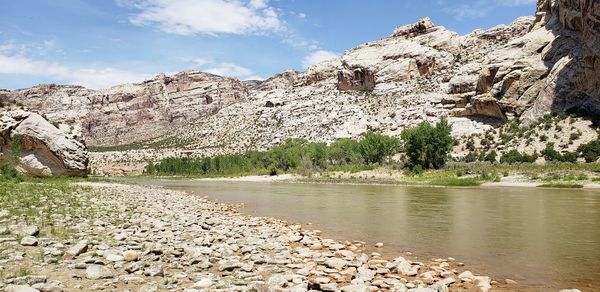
(229, 70)
(233, 71)
(89, 77)
(187, 17)
(318, 57)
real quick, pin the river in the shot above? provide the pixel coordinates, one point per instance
(543, 238)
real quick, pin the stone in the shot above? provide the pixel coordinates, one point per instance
(336, 263)
(76, 250)
(96, 272)
(131, 255)
(154, 271)
(510, 282)
(203, 284)
(466, 275)
(29, 241)
(20, 288)
(24, 230)
(379, 245)
(115, 258)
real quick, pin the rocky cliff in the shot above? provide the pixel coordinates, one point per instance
(133, 113)
(524, 70)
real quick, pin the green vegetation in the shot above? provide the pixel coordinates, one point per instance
(8, 165)
(514, 156)
(427, 146)
(550, 154)
(295, 155)
(39, 201)
(456, 182)
(377, 148)
(561, 186)
(590, 151)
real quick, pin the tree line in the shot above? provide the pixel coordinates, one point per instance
(426, 146)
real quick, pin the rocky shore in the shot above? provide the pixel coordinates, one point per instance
(132, 238)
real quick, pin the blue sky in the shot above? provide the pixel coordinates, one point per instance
(100, 43)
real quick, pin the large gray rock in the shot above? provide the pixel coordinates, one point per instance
(45, 150)
(96, 272)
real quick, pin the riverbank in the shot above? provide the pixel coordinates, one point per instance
(525, 176)
(116, 236)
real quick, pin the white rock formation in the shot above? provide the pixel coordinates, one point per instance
(45, 150)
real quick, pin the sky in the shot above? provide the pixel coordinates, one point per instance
(101, 43)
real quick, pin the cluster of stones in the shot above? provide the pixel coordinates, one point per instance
(168, 240)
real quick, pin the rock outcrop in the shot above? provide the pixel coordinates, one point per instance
(45, 150)
(534, 66)
(133, 113)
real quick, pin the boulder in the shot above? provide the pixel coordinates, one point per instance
(44, 149)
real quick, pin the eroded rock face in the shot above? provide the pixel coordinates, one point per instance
(133, 113)
(45, 149)
(355, 78)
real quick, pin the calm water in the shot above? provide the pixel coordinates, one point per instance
(535, 236)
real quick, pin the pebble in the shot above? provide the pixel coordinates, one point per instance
(24, 230)
(379, 244)
(29, 241)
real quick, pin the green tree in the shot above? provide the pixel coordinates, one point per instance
(428, 146)
(345, 151)
(377, 148)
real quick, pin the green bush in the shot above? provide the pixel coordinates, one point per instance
(550, 154)
(514, 156)
(491, 156)
(9, 163)
(428, 146)
(590, 151)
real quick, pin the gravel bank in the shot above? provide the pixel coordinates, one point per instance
(151, 239)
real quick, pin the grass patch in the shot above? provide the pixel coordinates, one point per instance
(456, 182)
(561, 186)
(23, 271)
(44, 201)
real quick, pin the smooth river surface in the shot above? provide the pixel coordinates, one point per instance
(539, 237)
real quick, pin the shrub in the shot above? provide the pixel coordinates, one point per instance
(550, 154)
(428, 146)
(514, 156)
(590, 151)
(471, 157)
(8, 165)
(491, 156)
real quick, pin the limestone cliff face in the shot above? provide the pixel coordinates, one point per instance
(422, 72)
(133, 113)
(572, 82)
